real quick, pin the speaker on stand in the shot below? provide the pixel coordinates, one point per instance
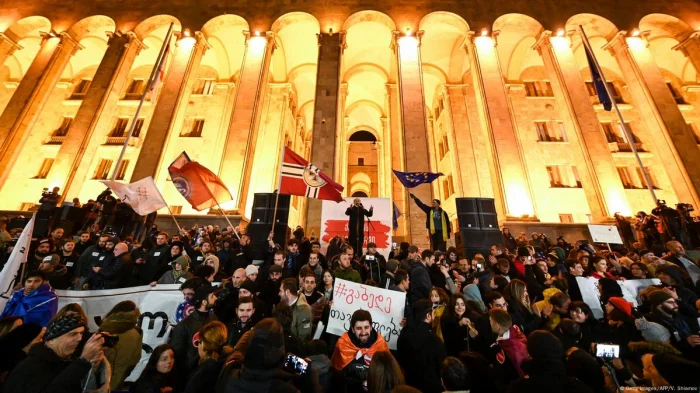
(478, 226)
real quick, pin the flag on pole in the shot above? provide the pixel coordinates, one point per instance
(396, 216)
(200, 186)
(598, 81)
(9, 273)
(160, 73)
(414, 179)
(299, 177)
(143, 195)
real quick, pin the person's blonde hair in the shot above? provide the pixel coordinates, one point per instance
(212, 338)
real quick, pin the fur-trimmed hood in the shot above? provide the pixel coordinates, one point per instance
(120, 322)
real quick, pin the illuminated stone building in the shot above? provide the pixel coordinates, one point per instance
(495, 95)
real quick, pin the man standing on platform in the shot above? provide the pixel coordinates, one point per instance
(437, 223)
(356, 224)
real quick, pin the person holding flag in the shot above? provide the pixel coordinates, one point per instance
(436, 222)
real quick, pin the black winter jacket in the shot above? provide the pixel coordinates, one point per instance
(42, 371)
(421, 354)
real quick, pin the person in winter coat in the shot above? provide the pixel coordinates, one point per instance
(553, 310)
(262, 369)
(474, 299)
(121, 320)
(159, 375)
(420, 276)
(436, 222)
(155, 260)
(119, 274)
(363, 340)
(50, 365)
(56, 273)
(204, 300)
(91, 257)
(457, 326)
(210, 341)
(35, 303)
(510, 349)
(581, 313)
(13, 345)
(546, 370)
(579, 362)
(527, 317)
(420, 353)
(620, 328)
(178, 274)
(384, 373)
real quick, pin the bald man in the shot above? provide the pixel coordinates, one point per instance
(238, 278)
(116, 271)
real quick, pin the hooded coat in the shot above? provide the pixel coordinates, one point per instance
(421, 354)
(127, 353)
(177, 277)
(37, 307)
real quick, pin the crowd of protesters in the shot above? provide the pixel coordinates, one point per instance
(510, 321)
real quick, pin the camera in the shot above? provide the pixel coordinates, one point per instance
(111, 340)
(369, 257)
(295, 364)
(478, 266)
(607, 351)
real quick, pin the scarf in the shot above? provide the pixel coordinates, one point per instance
(346, 351)
(443, 221)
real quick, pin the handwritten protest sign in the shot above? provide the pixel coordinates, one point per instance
(385, 306)
(630, 292)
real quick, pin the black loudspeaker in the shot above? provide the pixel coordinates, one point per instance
(17, 222)
(41, 228)
(478, 226)
(264, 209)
(477, 214)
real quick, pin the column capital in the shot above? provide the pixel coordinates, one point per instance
(343, 89)
(543, 42)
(201, 40)
(268, 35)
(396, 35)
(13, 45)
(67, 41)
(135, 40)
(693, 39)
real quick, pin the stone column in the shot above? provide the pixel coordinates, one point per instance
(242, 133)
(32, 93)
(326, 109)
(513, 197)
(601, 183)
(673, 139)
(268, 154)
(399, 192)
(340, 165)
(690, 47)
(466, 173)
(185, 58)
(415, 131)
(7, 47)
(95, 113)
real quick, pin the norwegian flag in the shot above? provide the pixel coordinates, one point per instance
(299, 177)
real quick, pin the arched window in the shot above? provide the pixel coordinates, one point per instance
(362, 136)
(359, 194)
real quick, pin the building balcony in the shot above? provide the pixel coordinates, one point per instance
(119, 141)
(55, 140)
(620, 147)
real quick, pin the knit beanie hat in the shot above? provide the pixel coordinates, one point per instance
(676, 370)
(52, 259)
(251, 269)
(64, 324)
(657, 297)
(249, 286)
(542, 344)
(652, 331)
(621, 304)
(183, 261)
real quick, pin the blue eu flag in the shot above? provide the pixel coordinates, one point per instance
(396, 216)
(598, 82)
(413, 179)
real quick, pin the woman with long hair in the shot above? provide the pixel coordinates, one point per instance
(210, 341)
(456, 325)
(521, 311)
(384, 373)
(439, 298)
(598, 268)
(159, 374)
(328, 281)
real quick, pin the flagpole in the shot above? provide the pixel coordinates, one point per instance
(151, 79)
(626, 132)
(168, 206)
(226, 217)
(277, 195)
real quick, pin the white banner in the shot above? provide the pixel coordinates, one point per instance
(18, 256)
(630, 291)
(334, 222)
(605, 234)
(386, 307)
(157, 304)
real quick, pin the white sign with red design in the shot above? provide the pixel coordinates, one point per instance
(377, 228)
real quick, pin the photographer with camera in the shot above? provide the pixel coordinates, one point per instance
(48, 202)
(374, 263)
(119, 327)
(51, 366)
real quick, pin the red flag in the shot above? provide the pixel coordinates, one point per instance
(160, 73)
(299, 177)
(200, 186)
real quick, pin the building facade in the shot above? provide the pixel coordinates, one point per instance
(497, 97)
